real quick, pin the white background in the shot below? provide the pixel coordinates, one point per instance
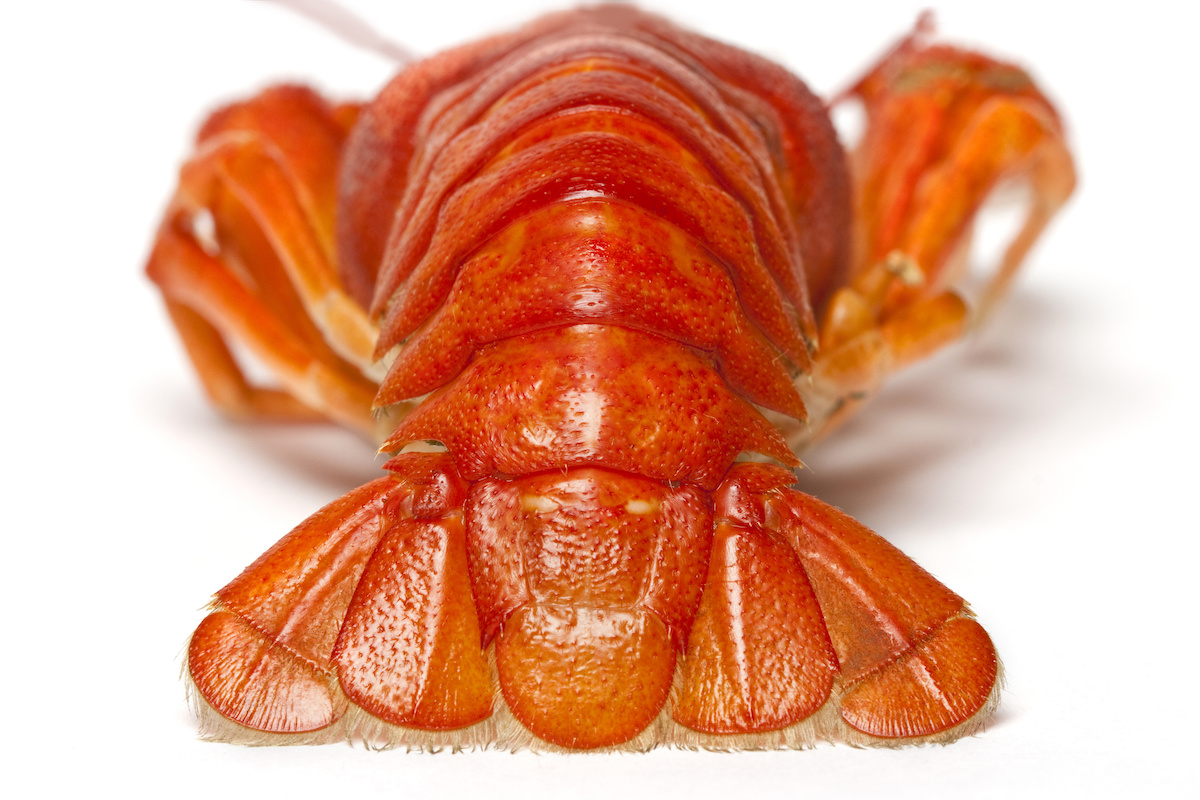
(1045, 470)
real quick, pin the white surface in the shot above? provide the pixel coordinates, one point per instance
(1044, 471)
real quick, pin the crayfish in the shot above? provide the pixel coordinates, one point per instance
(593, 284)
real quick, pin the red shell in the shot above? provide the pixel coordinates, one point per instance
(595, 250)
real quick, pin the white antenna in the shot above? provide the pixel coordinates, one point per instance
(336, 19)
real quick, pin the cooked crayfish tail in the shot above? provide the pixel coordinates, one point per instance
(410, 650)
(758, 658)
(367, 602)
(588, 580)
(811, 626)
(915, 666)
(261, 659)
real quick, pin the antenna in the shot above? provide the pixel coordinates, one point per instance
(338, 20)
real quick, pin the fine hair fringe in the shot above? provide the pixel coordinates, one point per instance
(502, 731)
